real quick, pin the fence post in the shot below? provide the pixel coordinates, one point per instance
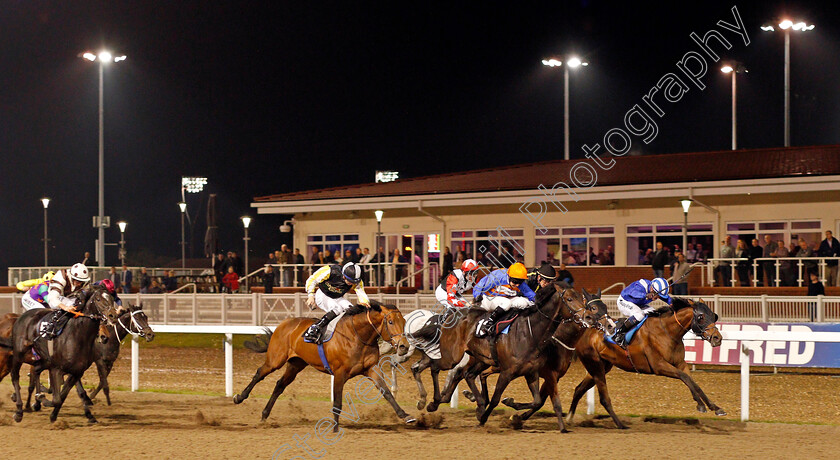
(255, 302)
(765, 309)
(195, 307)
(298, 305)
(755, 274)
(716, 301)
(745, 383)
(228, 365)
(820, 309)
(135, 363)
(166, 309)
(224, 309)
(590, 401)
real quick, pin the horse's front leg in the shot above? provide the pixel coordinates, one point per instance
(383, 388)
(668, 370)
(416, 370)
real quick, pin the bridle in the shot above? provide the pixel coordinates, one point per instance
(695, 327)
(385, 316)
(133, 323)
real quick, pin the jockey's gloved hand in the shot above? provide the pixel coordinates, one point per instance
(310, 302)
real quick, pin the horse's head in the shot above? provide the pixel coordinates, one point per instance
(593, 301)
(703, 323)
(98, 301)
(392, 328)
(138, 322)
(573, 307)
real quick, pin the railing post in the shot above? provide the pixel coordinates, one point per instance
(716, 300)
(765, 309)
(755, 273)
(166, 309)
(590, 401)
(733, 266)
(820, 309)
(745, 383)
(255, 302)
(822, 271)
(224, 308)
(195, 307)
(778, 265)
(799, 278)
(298, 305)
(228, 365)
(135, 363)
(710, 273)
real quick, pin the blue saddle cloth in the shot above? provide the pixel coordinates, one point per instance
(629, 336)
(326, 336)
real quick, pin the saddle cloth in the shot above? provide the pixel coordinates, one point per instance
(422, 329)
(630, 334)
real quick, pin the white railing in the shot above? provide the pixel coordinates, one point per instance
(269, 309)
(784, 269)
(184, 275)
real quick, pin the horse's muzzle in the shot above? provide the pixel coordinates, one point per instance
(402, 349)
(150, 336)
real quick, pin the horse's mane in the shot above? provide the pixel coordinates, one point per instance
(680, 303)
(545, 294)
(374, 305)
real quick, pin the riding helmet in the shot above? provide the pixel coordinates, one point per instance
(547, 271)
(352, 272)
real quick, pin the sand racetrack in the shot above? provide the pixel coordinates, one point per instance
(660, 413)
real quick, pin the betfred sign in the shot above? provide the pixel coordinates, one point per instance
(768, 352)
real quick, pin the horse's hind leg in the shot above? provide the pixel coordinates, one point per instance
(16, 384)
(416, 370)
(598, 373)
(267, 368)
(293, 367)
(558, 407)
(584, 386)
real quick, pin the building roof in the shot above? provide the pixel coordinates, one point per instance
(721, 165)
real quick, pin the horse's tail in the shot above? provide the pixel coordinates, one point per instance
(6, 342)
(260, 343)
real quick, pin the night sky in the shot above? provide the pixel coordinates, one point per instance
(274, 97)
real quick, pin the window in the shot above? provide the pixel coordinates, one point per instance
(790, 232)
(499, 247)
(576, 246)
(335, 244)
(641, 241)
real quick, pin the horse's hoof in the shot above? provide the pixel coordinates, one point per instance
(701, 408)
(468, 394)
(565, 431)
(432, 407)
(720, 412)
(507, 401)
(409, 420)
(420, 404)
(18, 416)
(622, 426)
(237, 399)
(92, 421)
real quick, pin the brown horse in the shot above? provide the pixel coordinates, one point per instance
(6, 324)
(656, 349)
(352, 351)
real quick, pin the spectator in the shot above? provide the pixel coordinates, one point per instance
(300, 271)
(769, 266)
(314, 258)
(328, 257)
(237, 263)
(660, 259)
(690, 253)
(680, 269)
(357, 255)
(462, 256)
(155, 287)
(170, 283)
(127, 278)
(785, 272)
(743, 266)
(398, 262)
(479, 259)
(145, 281)
(115, 278)
(830, 247)
(551, 259)
(565, 275)
(815, 288)
(272, 259)
(364, 262)
(593, 257)
(755, 253)
(725, 267)
(808, 266)
(268, 279)
(349, 256)
(702, 256)
(284, 257)
(219, 269)
(379, 260)
(610, 253)
(337, 258)
(86, 260)
(231, 280)
(447, 262)
(794, 248)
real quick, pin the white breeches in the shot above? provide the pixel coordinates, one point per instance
(629, 309)
(328, 304)
(30, 304)
(506, 303)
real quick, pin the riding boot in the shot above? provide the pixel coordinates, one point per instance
(490, 322)
(313, 334)
(49, 328)
(621, 332)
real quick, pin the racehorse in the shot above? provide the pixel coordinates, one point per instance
(521, 352)
(656, 349)
(72, 352)
(6, 324)
(108, 352)
(352, 351)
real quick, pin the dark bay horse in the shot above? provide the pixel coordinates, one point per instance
(72, 352)
(131, 321)
(353, 350)
(656, 349)
(521, 352)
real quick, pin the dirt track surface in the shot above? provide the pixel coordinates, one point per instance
(159, 425)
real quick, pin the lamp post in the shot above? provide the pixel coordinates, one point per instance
(734, 68)
(122, 225)
(786, 25)
(183, 206)
(378, 214)
(46, 202)
(246, 221)
(573, 62)
(104, 57)
(685, 205)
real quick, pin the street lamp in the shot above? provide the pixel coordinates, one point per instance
(786, 25)
(104, 57)
(183, 206)
(685, 205)
(122, 225)
(46, 203)
(573, 62)
(734, 68)
(378, 214)
(246, 221)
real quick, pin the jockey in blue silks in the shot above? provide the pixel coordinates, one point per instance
(634, 302)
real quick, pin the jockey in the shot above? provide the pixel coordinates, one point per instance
(541, 277)
(500, 291)
(634, 302)
(25, 285)
(64, 283)
(36, 295)
(451, 291)
(109, 285)
(326, 288)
